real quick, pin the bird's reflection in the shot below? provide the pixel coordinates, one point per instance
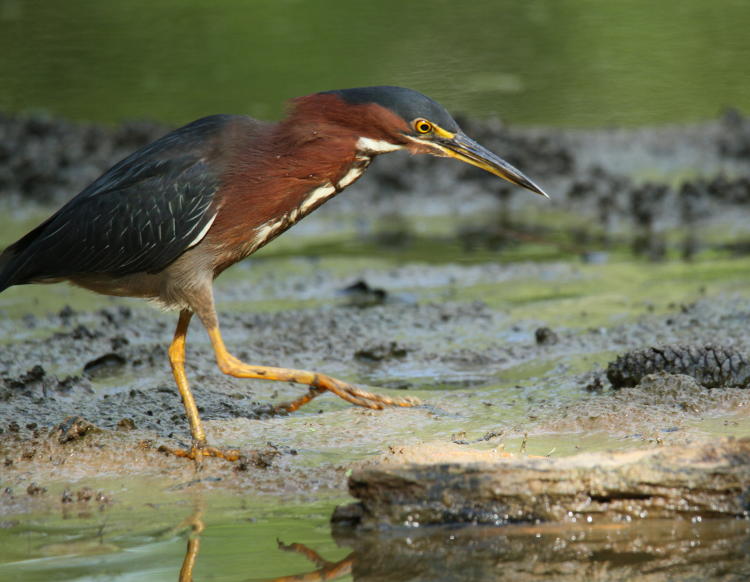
(325, 569)
(196, 525)
(605, 551)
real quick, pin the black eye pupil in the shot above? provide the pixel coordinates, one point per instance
(424, 127)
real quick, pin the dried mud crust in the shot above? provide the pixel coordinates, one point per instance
(431, 485)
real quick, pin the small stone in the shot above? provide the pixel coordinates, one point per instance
(73, 428)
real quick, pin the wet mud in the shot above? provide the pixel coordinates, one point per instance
(613, 318)
(404, 348)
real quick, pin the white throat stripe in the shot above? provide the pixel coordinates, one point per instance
(375, 146)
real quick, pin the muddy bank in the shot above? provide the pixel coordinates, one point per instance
(481, 373)
(503, 354)
(111, 364)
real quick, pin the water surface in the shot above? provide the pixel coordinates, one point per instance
(541, 62)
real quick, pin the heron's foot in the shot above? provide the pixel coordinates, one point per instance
(348, 392)
(326, 570)
(200, 451)
(261, 459)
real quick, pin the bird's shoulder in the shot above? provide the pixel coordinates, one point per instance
(176, 155)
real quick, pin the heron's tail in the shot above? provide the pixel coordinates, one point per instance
(9, 262)
(6, 269)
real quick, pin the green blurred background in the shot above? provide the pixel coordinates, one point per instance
(574, 63)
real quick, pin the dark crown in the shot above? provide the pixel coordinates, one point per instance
(407, 103)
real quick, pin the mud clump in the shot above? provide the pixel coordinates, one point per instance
(73, 428)
(84, 495)
(380, 352)
(362, 294)
(33, 490)
(126, 424)
(668, 390)
(735, 139)
(261, 459)
(34, 376)
(107, 365)
(37, 381)
(712, 366)
(545, 336)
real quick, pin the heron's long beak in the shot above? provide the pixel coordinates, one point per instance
(463, 148)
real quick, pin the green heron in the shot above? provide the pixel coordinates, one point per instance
(164, 222)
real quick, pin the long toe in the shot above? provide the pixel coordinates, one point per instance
(380, 399)
(197, 453)
(348, 392)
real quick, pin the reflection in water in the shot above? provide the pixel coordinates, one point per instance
(660, 549)
(195, 521)
(326, 570)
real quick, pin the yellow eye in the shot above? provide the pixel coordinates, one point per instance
(422, 126)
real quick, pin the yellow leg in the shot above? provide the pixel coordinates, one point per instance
(177, 361)
(318, 383)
